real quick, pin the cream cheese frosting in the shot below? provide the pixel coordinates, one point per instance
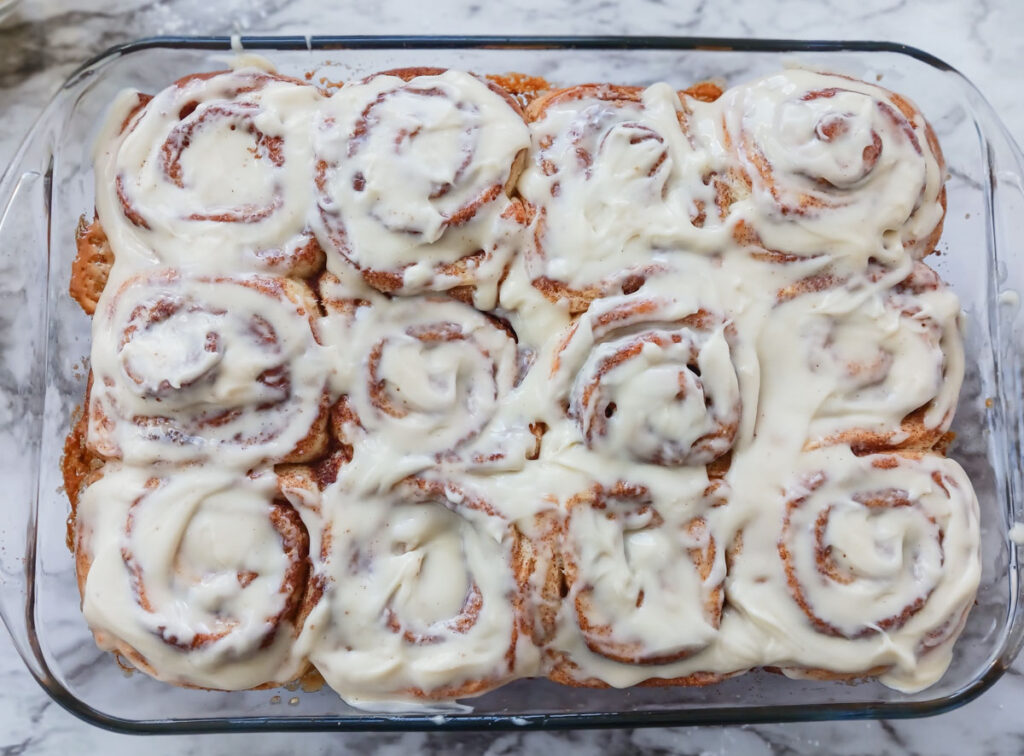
(836, 166)
(412, 178)
(195, 574)
(189, 368)
(162, 164)
(635, 388)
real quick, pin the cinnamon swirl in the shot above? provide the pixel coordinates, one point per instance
(645, 581)
(877, 368)
(651, 378)
(197, 576)
(878, 565)
(414, 170)
(608, 191)
(421, 599)
(833, 166)
(161, 161)
(424, 378)
(189, 368)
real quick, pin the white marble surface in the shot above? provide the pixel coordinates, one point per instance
(45, 39)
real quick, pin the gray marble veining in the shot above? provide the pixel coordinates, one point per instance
(45, 39)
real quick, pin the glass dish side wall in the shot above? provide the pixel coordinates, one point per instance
(46, 340)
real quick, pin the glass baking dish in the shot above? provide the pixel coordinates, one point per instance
(44, 339)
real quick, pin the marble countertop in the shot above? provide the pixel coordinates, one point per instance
(45, 39)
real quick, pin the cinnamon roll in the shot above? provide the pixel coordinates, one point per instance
(609, 189)
(212, 174)
(651, 378)
(834, 166)
(879, 564)
(645, 582)
(421, 599)
(196, 576)
(195, 368)
(880, 369)
(423, 379)
(414, 170)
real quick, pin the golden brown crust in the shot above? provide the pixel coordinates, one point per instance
(537, 550)
(565, 671)
(705, 91)
(91, 266)
(613, 94)
(523, 87)
(919, 438)
(78, 463)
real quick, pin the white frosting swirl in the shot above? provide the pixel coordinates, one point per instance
(161, 164)
(423, 380)
(652, 379)
(882, 358)
(188, 368)
(420, 598)
(196, 574)
(878, 565)
(636, 567)
(411, 181)
(611, 185)
(836, 166)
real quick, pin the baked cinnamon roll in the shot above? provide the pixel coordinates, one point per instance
(198, 368)
(414, 170)
(421, 596)
(878, 566)
(212, 174)
(610, 190)
(196, 576)
(652, 379)
(638, 387)
(880, 368)
(424, 378)
(645, 586)
(833, 166)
